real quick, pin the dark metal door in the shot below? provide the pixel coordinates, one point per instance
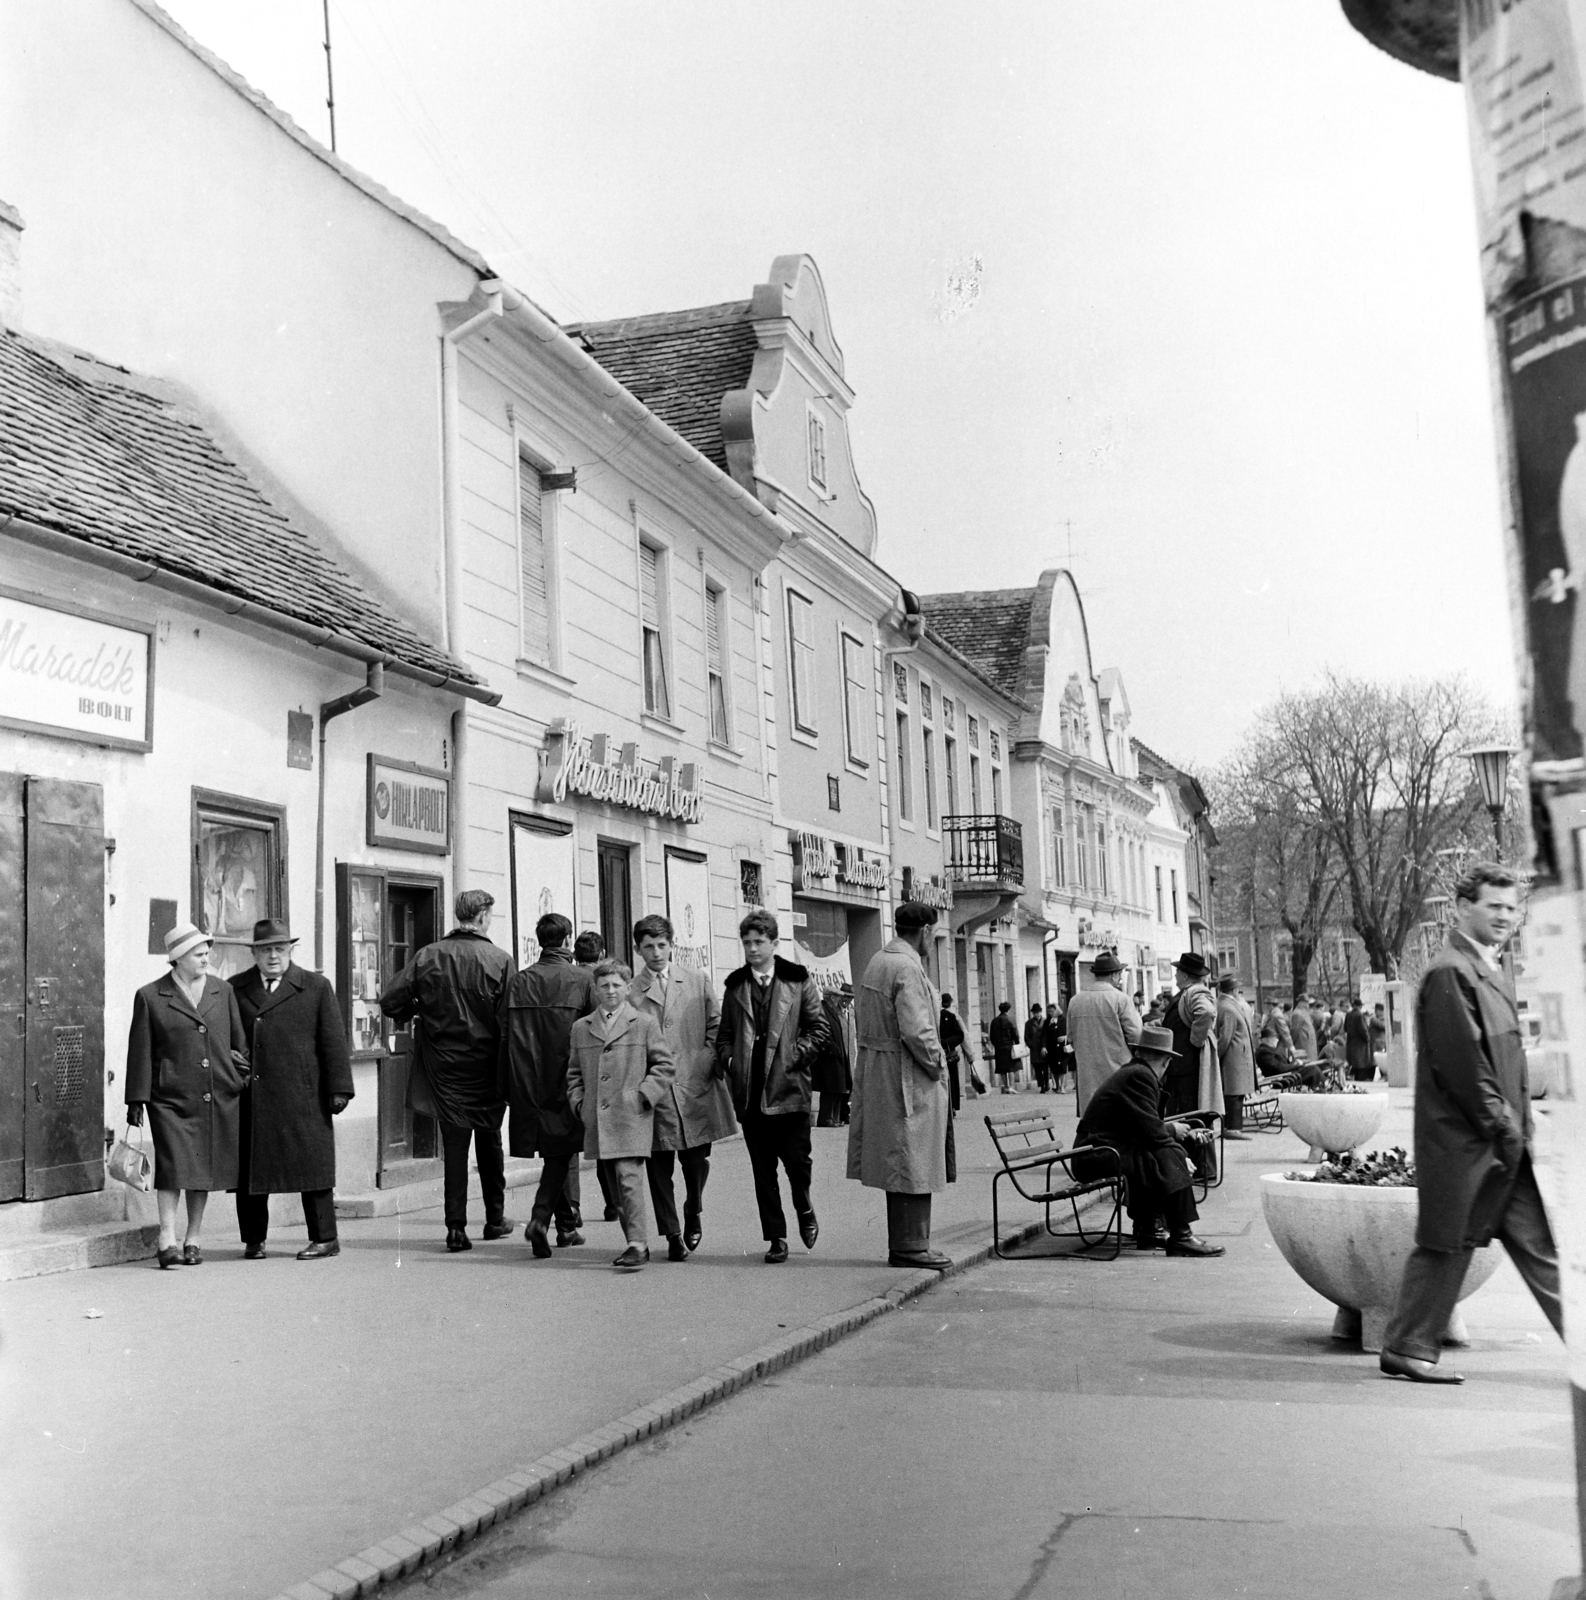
(64, 1091)
(13, 985)
(616, 901)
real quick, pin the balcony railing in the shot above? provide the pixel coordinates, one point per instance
(984, 850)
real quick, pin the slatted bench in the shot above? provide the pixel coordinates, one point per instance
(1028, 1146)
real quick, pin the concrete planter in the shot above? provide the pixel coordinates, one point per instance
(1332, 1122)
(1350, 1243)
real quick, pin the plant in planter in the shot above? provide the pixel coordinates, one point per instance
(1333, 1119)
(1348, 1228)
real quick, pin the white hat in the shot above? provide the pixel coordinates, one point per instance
(182, 938)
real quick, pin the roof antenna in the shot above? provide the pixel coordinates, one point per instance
(330, 81)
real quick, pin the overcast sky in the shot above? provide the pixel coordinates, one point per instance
(1220, 348)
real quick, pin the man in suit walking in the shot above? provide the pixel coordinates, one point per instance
(1472, 1132)
(302, 1077)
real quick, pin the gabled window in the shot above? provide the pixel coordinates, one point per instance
(534, 565)
(801, 659)
(652, 622)
(858, 703)
(716, 604)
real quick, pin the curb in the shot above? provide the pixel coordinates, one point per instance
(402, 1554)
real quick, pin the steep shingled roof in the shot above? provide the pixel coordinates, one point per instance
(990, 628)
(124, 464)
(680, 364)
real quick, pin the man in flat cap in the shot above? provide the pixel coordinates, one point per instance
(302, 1077)
(1103, 1026)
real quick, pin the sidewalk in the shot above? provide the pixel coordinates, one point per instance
(227, 1431)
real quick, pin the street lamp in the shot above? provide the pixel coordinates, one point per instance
(1491, 762)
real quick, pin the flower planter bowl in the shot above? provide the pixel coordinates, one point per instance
(1349, 1242)
(1331, 1122)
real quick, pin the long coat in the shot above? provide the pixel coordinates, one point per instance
(1472, 1099)
(697, 1110)
(897, 1130)
(297, 1043)
(1004, 1035)
(1234, 1048)
(538, 1010)
(1125, 1114)
(188, 1066)
(1103, 1029)
(1357, 1041)
(795, 1035)
(1302, 1030)
(615, 1083)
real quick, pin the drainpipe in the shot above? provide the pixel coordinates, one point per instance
(374, 684)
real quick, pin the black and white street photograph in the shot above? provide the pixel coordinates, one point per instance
(792, 800)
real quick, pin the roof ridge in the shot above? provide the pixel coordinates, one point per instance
(721, 311)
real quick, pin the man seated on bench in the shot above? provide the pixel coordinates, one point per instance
(1271, 1063)
(1125, 1113)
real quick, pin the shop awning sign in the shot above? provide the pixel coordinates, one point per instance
(410, 808)
(601, 769)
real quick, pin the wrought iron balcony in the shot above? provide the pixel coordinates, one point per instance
(984, 851)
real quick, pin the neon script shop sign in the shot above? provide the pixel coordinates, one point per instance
(571, 764)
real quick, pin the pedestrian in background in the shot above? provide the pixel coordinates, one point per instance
(1302, 1032)
(1236, 1057)
(453, 989)
(301, 1078)
(1279, 1024)
(1377, 1026)
(1004, 1038)
(898, 1138)
(696, 1109)
(1358, 1054)
(1054, 1038)
(619, 1069)
(951, 1032)
(1035, 1045)
(538, 1009)
(588, 948)
(1103, 1027)
(832, 1074)
(772, 1028)
(187, 1062)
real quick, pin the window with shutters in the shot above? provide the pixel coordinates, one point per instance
(974, 782)
(801, 659)
(996, 791)
(928, 774)
(652, 623)
(1059, 849)
(716, 637)
(536, 639)
(905, 785)
(950, 766)
(1103, 876)
(1158, 873)
(858, 702)
(1174, 876)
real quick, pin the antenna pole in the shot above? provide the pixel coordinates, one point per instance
(330, 81)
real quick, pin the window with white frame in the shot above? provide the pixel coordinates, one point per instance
(974, 781)
(858, 704)
(1103, 875)
(652, 624)
(717, 610)
(535, 636)
(801, 659)
(1059, 849)
(1158, 875)
(1082, 873)
(1174, 876)
(817, 448)
(950, 767)
(996, 790)
(928, 772)
(905, 786)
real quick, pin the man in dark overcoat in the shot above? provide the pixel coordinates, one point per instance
(1125, 1115)
(1472, 1132)
(538, 1009)
(302, 1077)
(1357, 1043)
(454, 988)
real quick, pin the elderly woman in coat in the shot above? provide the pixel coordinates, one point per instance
(187, 1062)
(619, 1069)
(897, 1138)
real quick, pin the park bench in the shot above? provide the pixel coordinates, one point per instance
(1028, 1146)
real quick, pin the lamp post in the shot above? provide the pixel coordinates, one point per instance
(1491, 762)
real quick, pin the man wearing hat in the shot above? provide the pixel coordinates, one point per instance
(1194, 1078)
(302, 1077)
(1103, 1026)
(897, 1135)
(1236, 1057)
(1125, 1114)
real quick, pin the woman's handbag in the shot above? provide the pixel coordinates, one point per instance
(129, 1164)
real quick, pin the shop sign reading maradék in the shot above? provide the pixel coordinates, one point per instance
(76, 674)
(409, 807)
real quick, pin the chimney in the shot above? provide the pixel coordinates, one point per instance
(11, 226)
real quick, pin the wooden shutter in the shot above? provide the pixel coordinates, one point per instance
(535, 587)
(715, 655)
(650, 587)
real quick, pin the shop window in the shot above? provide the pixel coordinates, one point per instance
(857, 702)
(239, 873)
(801, 659)
(716, 662)
(652, 623)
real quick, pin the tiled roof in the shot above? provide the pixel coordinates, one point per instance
(990, 628)
(124, 464)
(680, 364)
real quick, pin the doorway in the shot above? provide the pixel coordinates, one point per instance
(412, 921)
(52, 981)
(616, 899)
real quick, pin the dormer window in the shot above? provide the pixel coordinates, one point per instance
(817, 449)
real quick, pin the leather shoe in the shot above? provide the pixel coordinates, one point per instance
(1417, 1371)
(809, 1230)
(674, 1248)
(319, 1249)
(456, 1239)
(777, 1252)
(253, 1252)
(925, 1258)
(500, 1230)
(692, 1234)
(633, 1257)
(171, 1256)
(539, 1242)
(1189, 1245)
(192, 1256)
(572, 1236)
(1150, 1241)
(613, 1214)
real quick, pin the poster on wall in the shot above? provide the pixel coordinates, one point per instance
(688, 909)
(544, 875)
(820, 942)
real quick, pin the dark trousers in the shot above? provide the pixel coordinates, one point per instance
(1429, 1290)
(557, 1194)
(908, 1224)
(253, 1210)
(455, 1140)
(695, 1162)
(834, 1110)
(608, 1193)
(770, 1140)
(1042, 1077)
(952, 1078)
(1233, 1112)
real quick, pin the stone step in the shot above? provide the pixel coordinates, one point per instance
(104, 1245)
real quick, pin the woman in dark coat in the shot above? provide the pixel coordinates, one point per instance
(1004, 1035)
(187, 1061)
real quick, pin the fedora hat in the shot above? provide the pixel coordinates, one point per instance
(271, 930)
(182, 938)
(1154, 1041)
(1105, 964)
(1192, 962)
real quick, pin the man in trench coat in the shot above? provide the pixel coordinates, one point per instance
(1236, 1055)
(1103, 1027)
(302, 1077)
(897, 1135)
(1472, 1133)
